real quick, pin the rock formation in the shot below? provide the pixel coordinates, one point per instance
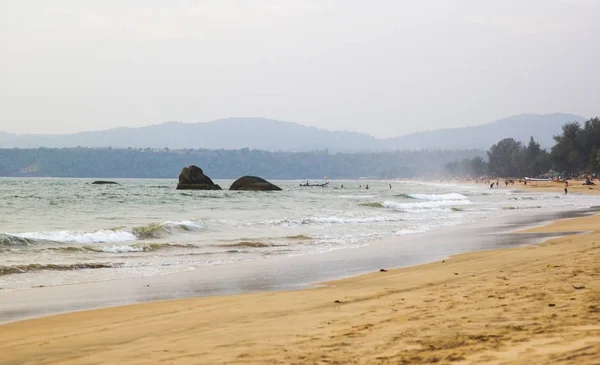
(253, 183)
(192, 178)
(103, 182)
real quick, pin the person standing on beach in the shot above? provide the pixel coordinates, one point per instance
(492, 186)
(566, 187)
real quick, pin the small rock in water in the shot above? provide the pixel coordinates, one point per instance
(103, 182)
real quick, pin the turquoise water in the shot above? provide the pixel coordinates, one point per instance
(61, 231)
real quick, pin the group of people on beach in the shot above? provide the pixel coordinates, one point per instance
(360, 186)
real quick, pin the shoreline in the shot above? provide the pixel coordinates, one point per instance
(575, 187)
(534, 304)
(284, 273)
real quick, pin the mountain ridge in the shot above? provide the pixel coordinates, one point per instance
(275, 135)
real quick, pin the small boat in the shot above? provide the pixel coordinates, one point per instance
(537, 179)
(322, 185)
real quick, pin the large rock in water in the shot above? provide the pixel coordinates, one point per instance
(253, 183)
(192, 178)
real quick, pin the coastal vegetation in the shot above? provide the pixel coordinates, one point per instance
(225, 164)
(576, 152)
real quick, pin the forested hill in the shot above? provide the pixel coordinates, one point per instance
(273, 135)
(164, 163)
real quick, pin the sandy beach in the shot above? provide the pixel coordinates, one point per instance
(528, 305)
(575, 187)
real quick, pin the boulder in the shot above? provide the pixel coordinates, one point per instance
(253, 183)
(103, 182)
(192, 178)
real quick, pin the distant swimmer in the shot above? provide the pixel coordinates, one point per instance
(491, 185)
(367, 187)
(342, 186)
(566, 187)
(390, 186)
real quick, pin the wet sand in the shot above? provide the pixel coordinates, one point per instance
(523, 305)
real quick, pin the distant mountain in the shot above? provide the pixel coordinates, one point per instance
(232, 133)
(273, 135)
(519, 127)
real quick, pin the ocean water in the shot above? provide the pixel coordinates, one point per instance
(64, 231)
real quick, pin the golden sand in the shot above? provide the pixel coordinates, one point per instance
(529, 305)
(575, 187)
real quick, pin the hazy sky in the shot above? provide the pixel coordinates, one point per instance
(382, 67)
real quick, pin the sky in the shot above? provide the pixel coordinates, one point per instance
(385, 68)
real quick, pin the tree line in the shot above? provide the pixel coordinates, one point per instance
(576, 152)
(225, 164)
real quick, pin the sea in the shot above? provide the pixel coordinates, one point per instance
(66, 231)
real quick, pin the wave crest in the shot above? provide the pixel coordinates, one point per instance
(112, 235)
(21, 269)
(102, 236)
(7, 240)
(438, 197)
(434, 204)
(253, 244)
(334, 220)
(157, 230)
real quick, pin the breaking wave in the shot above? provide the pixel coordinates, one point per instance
(515, 208)
(333, 220)
(438, 197)
(299, 237)
(102, 236)
(7, 240)
(139, 247)
(372, 205)
(433, 204)
(21, 269)
(157, 230)
(115, 235)
(254, 244)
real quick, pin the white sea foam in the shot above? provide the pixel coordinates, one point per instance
(356, 196)
(408, 231)
(122, 249)
(102, 236)
(433, 204)
(438, 197)
(334, 220)
(107, 235)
